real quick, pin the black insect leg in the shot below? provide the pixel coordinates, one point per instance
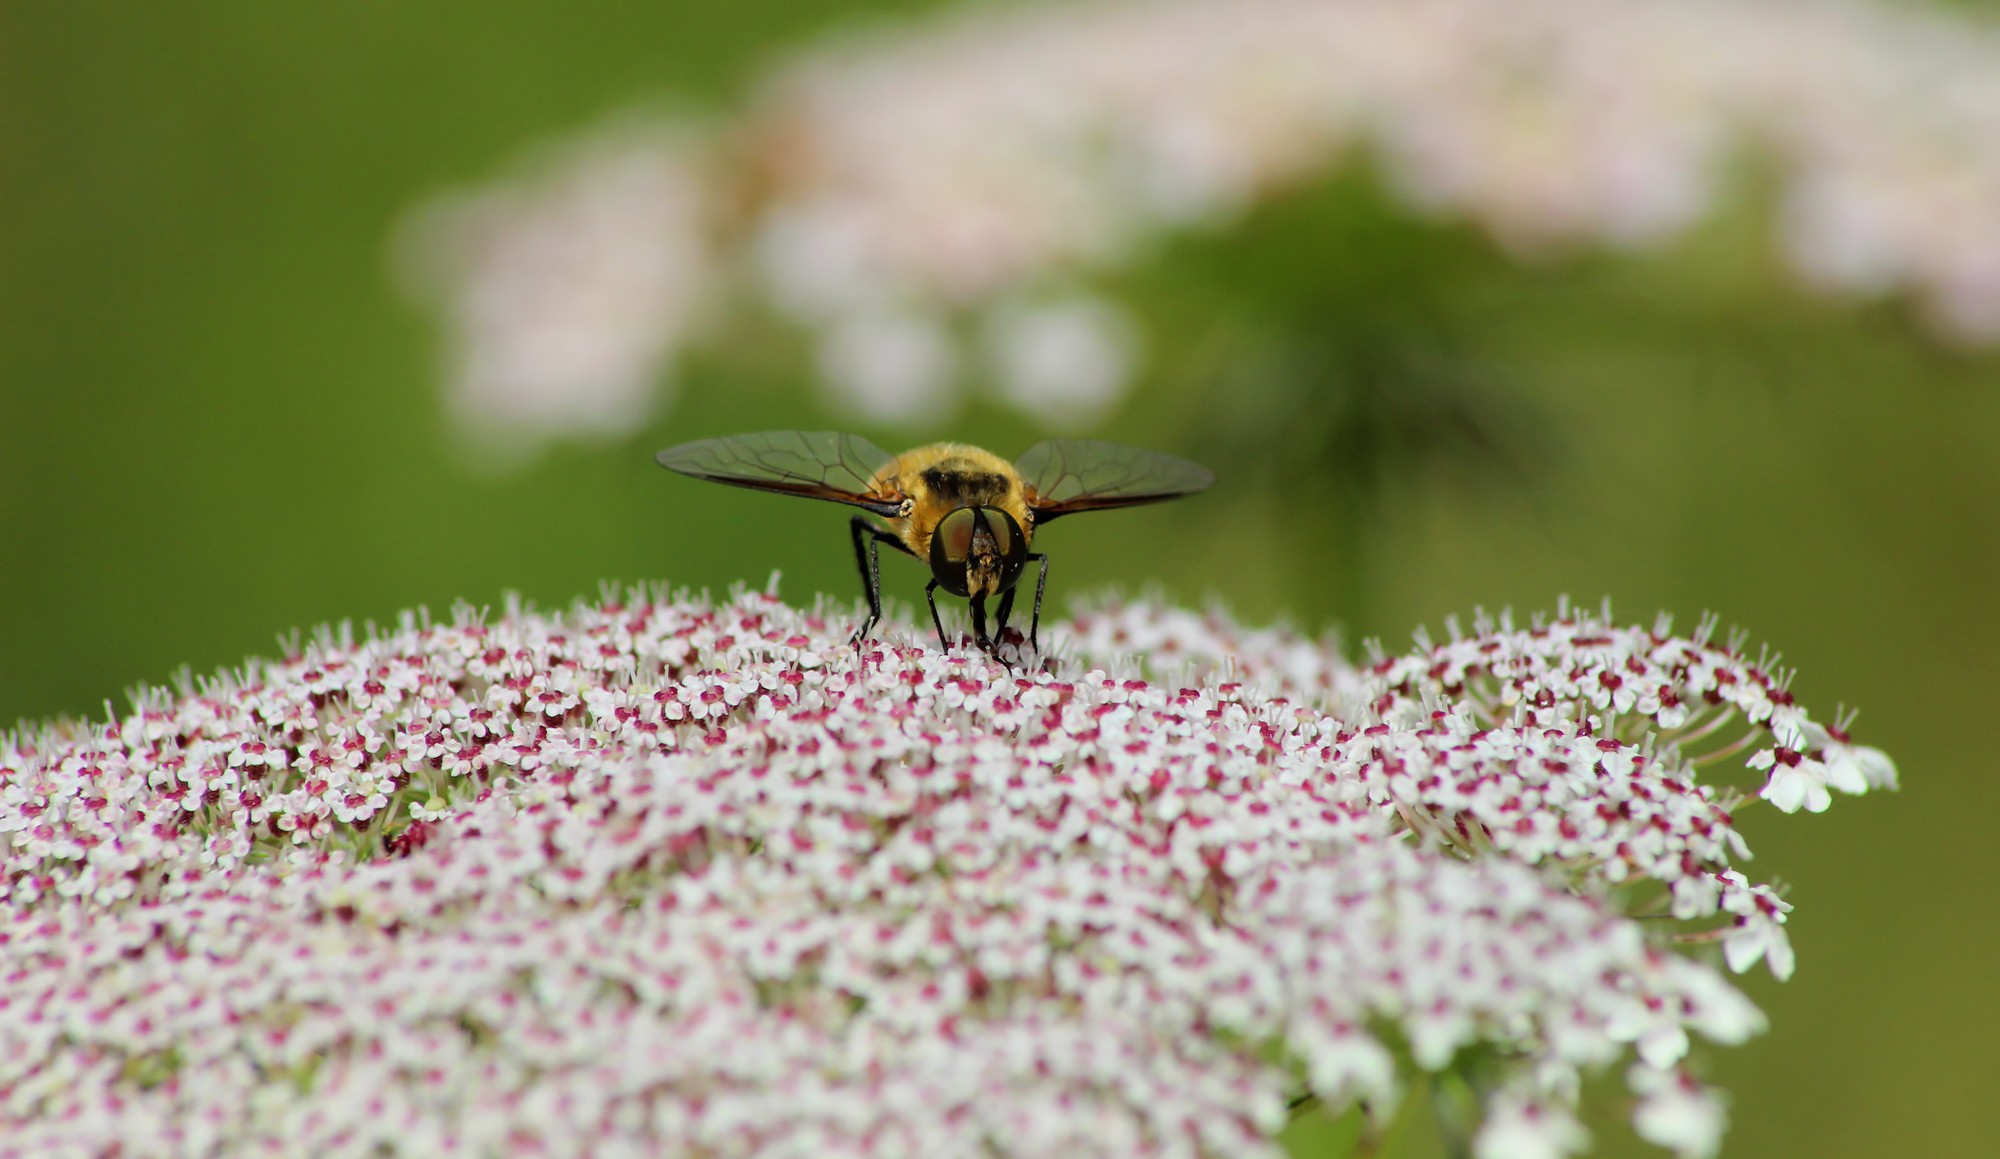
(1041, 584)
(979, 635)
(930, 597)
(1007, 603)
(867, 547)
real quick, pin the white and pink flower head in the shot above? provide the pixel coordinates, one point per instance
(661, 876)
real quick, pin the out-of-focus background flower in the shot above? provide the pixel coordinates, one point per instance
(308, 314)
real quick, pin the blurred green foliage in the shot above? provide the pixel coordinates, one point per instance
(218, 421)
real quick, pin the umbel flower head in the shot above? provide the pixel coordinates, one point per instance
(937, 203)
(664, 876)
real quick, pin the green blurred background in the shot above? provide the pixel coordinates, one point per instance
(219, 419)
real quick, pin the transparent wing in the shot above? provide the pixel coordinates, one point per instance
(815, 464)
(1069, 475)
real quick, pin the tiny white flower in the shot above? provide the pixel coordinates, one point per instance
(1677, 1113)
(1795, 780)
(1517, 1128)
(1757, 939)
(891, 366)
(1067, 361)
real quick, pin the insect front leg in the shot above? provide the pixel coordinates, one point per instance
(930, 597)
(1041, 584)
(867, 558)
(979, 635)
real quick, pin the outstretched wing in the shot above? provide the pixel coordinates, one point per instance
(1069, 475)
(815, 464)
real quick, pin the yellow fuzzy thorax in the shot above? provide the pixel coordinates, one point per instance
(942, 477)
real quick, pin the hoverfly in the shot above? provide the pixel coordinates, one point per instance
(967, 512)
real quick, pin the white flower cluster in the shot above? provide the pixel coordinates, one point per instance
(661, 876)
(1615, 680)
(567, 290)
(957, 162)
(945, 188)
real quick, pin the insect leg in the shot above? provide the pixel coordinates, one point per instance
(1041, 583)
(930, 598)
(1006, 609)
(866, 558)
(979, 636)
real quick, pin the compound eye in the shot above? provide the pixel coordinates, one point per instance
(1000, 525)
(951, 543)
(953, 536)
(1012, 545)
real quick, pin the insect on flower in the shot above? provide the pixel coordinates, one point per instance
(971, 514)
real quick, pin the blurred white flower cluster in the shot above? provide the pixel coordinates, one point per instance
(931, 200)
(566, 290)
(658, 876)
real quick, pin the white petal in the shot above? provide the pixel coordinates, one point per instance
(1679, 1115)
(1515, 1129)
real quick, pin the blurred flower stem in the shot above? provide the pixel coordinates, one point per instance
(1319, 347)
